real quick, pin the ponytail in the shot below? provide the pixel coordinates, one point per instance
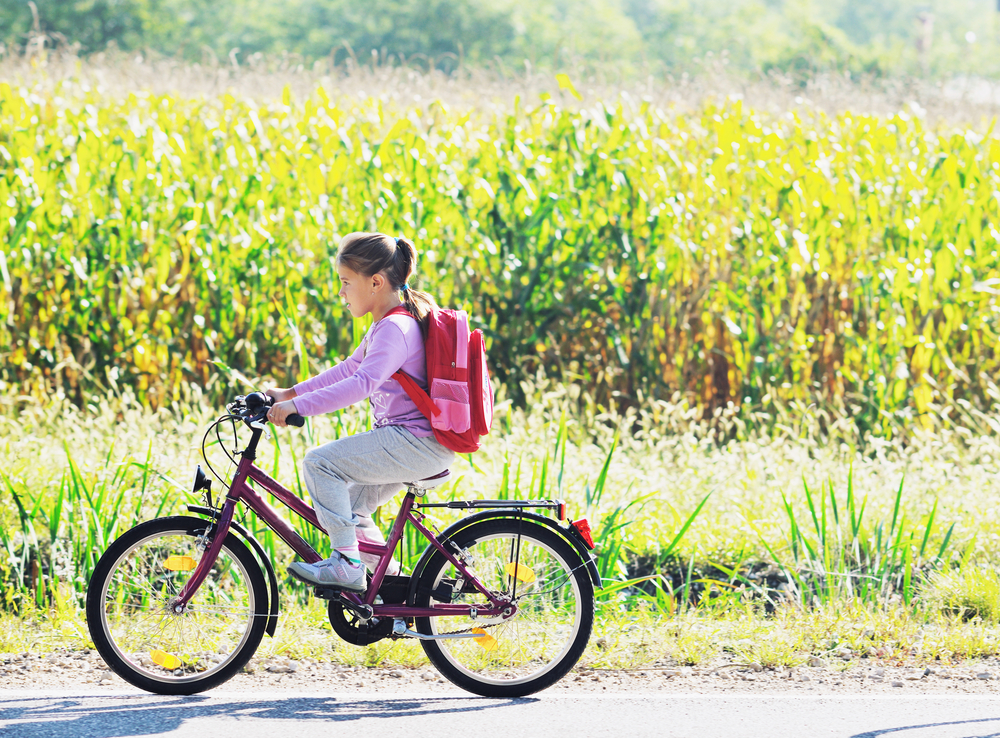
(419, 304)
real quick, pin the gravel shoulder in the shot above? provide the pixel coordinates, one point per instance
(86, 669)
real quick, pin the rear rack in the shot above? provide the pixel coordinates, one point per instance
(494, 504)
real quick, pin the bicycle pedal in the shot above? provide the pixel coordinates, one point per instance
(331, 593)
(334, 593)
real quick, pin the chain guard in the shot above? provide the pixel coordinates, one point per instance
(349, 626)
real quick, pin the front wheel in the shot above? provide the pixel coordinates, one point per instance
(547, 579)
(131, 618)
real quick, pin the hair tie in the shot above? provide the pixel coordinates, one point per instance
(404, 288)
(397, 240)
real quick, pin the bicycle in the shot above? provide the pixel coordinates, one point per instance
(502, 600)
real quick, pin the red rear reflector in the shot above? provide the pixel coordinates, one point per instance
(583, 528)
(562, 510)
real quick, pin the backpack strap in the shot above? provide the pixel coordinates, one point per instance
(420, 398)
(462, 341)
(398, 310)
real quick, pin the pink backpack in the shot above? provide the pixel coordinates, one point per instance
(460, 404)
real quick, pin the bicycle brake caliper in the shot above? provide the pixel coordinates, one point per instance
(202, 541)
(464, 555)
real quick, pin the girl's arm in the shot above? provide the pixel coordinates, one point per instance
(386, 354)
(280, 394)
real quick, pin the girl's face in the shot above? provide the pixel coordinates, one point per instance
(356, 290)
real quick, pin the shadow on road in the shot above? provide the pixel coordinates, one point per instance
(901, 732)
(143, 714)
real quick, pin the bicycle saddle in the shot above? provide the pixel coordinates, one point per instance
(430, 482)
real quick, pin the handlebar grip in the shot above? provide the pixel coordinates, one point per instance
(295, 419)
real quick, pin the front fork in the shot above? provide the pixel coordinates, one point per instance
(208, 557)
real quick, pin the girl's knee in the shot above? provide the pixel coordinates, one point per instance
(313, 460)
(319, 466)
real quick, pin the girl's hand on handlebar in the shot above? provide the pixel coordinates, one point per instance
(281, 395)
(280, 411)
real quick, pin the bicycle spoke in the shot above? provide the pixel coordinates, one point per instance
(522, 648)
(164, 645)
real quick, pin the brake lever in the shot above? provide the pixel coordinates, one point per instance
(258, 425)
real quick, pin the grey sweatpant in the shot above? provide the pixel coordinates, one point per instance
(350, 477)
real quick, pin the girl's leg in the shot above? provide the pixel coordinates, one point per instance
(368, 532)
(348, 478)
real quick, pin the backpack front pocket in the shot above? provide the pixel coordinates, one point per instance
(452, 399)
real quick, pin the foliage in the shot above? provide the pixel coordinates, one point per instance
(971, 592)
(749, 36)
(49, 453)
(728, 255)
(91, 24)
(744, 522)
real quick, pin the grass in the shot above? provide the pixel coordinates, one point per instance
(843, 636)
(969, 593)
(756, 550)
(263, 78)
(668, 503)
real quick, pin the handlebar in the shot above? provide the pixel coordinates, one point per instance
(256, 405)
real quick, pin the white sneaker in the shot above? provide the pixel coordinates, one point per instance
(336, 572)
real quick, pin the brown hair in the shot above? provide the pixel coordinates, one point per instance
(373, 253)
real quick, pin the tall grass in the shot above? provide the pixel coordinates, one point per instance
(680, 520)
(61, 530)
(727, 254)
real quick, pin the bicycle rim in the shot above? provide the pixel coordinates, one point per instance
(547, 635)
(153, 642)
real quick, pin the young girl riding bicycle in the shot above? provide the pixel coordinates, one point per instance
(349, 478)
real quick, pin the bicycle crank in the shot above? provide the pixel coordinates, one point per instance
(364, 612)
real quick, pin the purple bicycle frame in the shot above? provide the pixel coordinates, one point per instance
(240, 490)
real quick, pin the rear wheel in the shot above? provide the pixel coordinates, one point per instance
(547, 579)
(130, 607)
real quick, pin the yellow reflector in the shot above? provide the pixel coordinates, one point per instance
(180, 563)
(520, 571)
(484, 639)
(166, 660)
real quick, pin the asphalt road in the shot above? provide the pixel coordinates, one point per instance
(82, 714)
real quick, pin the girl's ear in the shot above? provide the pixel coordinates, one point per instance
(377, 281)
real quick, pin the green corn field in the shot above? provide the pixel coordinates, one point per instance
(731, 256)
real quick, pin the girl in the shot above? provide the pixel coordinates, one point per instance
(349, 478)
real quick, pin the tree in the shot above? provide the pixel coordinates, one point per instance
(90, 23)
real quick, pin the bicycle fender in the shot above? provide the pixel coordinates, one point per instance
(272, 579)
(585, 556)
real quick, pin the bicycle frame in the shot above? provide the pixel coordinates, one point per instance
(241, 491)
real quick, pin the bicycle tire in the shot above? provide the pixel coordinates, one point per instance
(538, 645)
(138, 634)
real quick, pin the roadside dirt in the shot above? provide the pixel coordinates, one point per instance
(86, 669)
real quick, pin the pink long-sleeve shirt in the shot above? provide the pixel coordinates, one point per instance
(392, 343)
